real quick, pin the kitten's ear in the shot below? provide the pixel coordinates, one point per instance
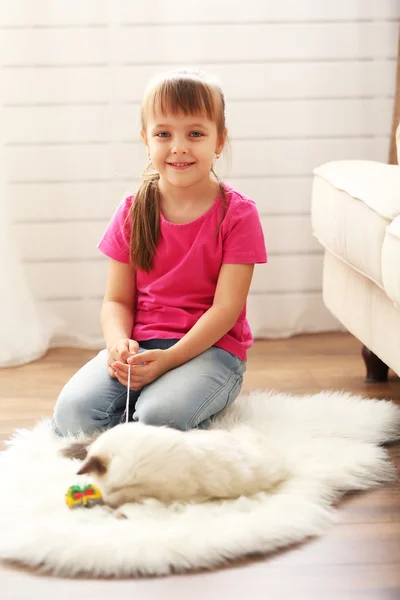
(79, 449)
(76, 450)
(92, 465)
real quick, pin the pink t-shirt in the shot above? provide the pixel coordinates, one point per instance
(181, 286)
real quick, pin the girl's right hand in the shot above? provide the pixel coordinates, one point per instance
(121, 351)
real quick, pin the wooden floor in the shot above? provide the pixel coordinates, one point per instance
(359, 558)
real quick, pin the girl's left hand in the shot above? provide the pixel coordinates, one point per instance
(145, 368)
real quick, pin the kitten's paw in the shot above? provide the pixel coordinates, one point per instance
(118, 513)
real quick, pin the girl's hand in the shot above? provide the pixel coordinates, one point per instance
(145, 368)
(120, 352)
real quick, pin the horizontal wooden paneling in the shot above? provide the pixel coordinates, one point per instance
(78, 240)
(249, 158)
(86, 279)
(53, 12)
(67, 280)
(41, 202)
(55, 163)
(66, 124)
(270, 315)
(54, 47)
(288, 274)
(31, 85)
(58, 241)
(76, 12)
(289, 234)
(305, 82)
(81, 317)
(264, 42)
(279, 315)
(277, 195)
(264, 119)
(308, 119)
(277, 80)
(291, 80)
(226, 11)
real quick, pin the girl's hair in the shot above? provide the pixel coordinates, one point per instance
(190, 92)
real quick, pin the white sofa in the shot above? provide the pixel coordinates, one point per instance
(356, 218)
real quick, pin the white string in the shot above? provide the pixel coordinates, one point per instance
(127, 393)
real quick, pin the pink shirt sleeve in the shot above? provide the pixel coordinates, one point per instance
(116, 238)
(244, 238)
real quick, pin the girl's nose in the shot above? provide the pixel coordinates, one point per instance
(180, 147)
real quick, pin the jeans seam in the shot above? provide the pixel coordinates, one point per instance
(111, 412)
(208, 400)
(238, 381)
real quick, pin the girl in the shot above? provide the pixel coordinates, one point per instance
(182, 253)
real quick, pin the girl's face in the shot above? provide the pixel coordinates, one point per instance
(182, 147)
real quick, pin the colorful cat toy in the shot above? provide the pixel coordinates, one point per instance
(86, 496)
(89, 495)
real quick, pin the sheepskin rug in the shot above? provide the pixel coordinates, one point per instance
(332, 442)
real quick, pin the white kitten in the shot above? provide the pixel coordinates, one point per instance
(133, 461)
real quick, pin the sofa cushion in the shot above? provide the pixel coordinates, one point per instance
(376, 184)
(348, 228)
(391, 261)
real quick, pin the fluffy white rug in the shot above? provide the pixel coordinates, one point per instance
(331, 440)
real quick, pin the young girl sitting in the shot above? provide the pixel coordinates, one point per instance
(182, 252)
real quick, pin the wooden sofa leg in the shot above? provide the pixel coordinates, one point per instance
(377, 371)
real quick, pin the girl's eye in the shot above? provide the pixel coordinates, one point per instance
(165, 134)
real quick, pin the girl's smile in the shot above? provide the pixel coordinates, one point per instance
(180, 166)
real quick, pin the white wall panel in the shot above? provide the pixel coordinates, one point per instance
(64, 240)
(279, 315)
(67, 280)
(54, 46)
(249, 158)
(58, 241)
(228, 11)
(61, 162)
(71, 279)
(77, 12)
(266, 119)
(81, 316)
(27, 86)
(20, 13)
(284, 119)
(50, 124)
(290, 80)
(257, 42)
(270, 315)
(53, 201)
(305, 82)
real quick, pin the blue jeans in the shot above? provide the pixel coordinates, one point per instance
(184, 398)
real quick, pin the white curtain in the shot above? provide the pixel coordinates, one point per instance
(25, 333)
(27, 329)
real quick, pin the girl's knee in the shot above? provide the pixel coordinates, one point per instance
(161, 416)
(90, 401)
(72, 415)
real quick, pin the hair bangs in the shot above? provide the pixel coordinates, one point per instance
(183, 95)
